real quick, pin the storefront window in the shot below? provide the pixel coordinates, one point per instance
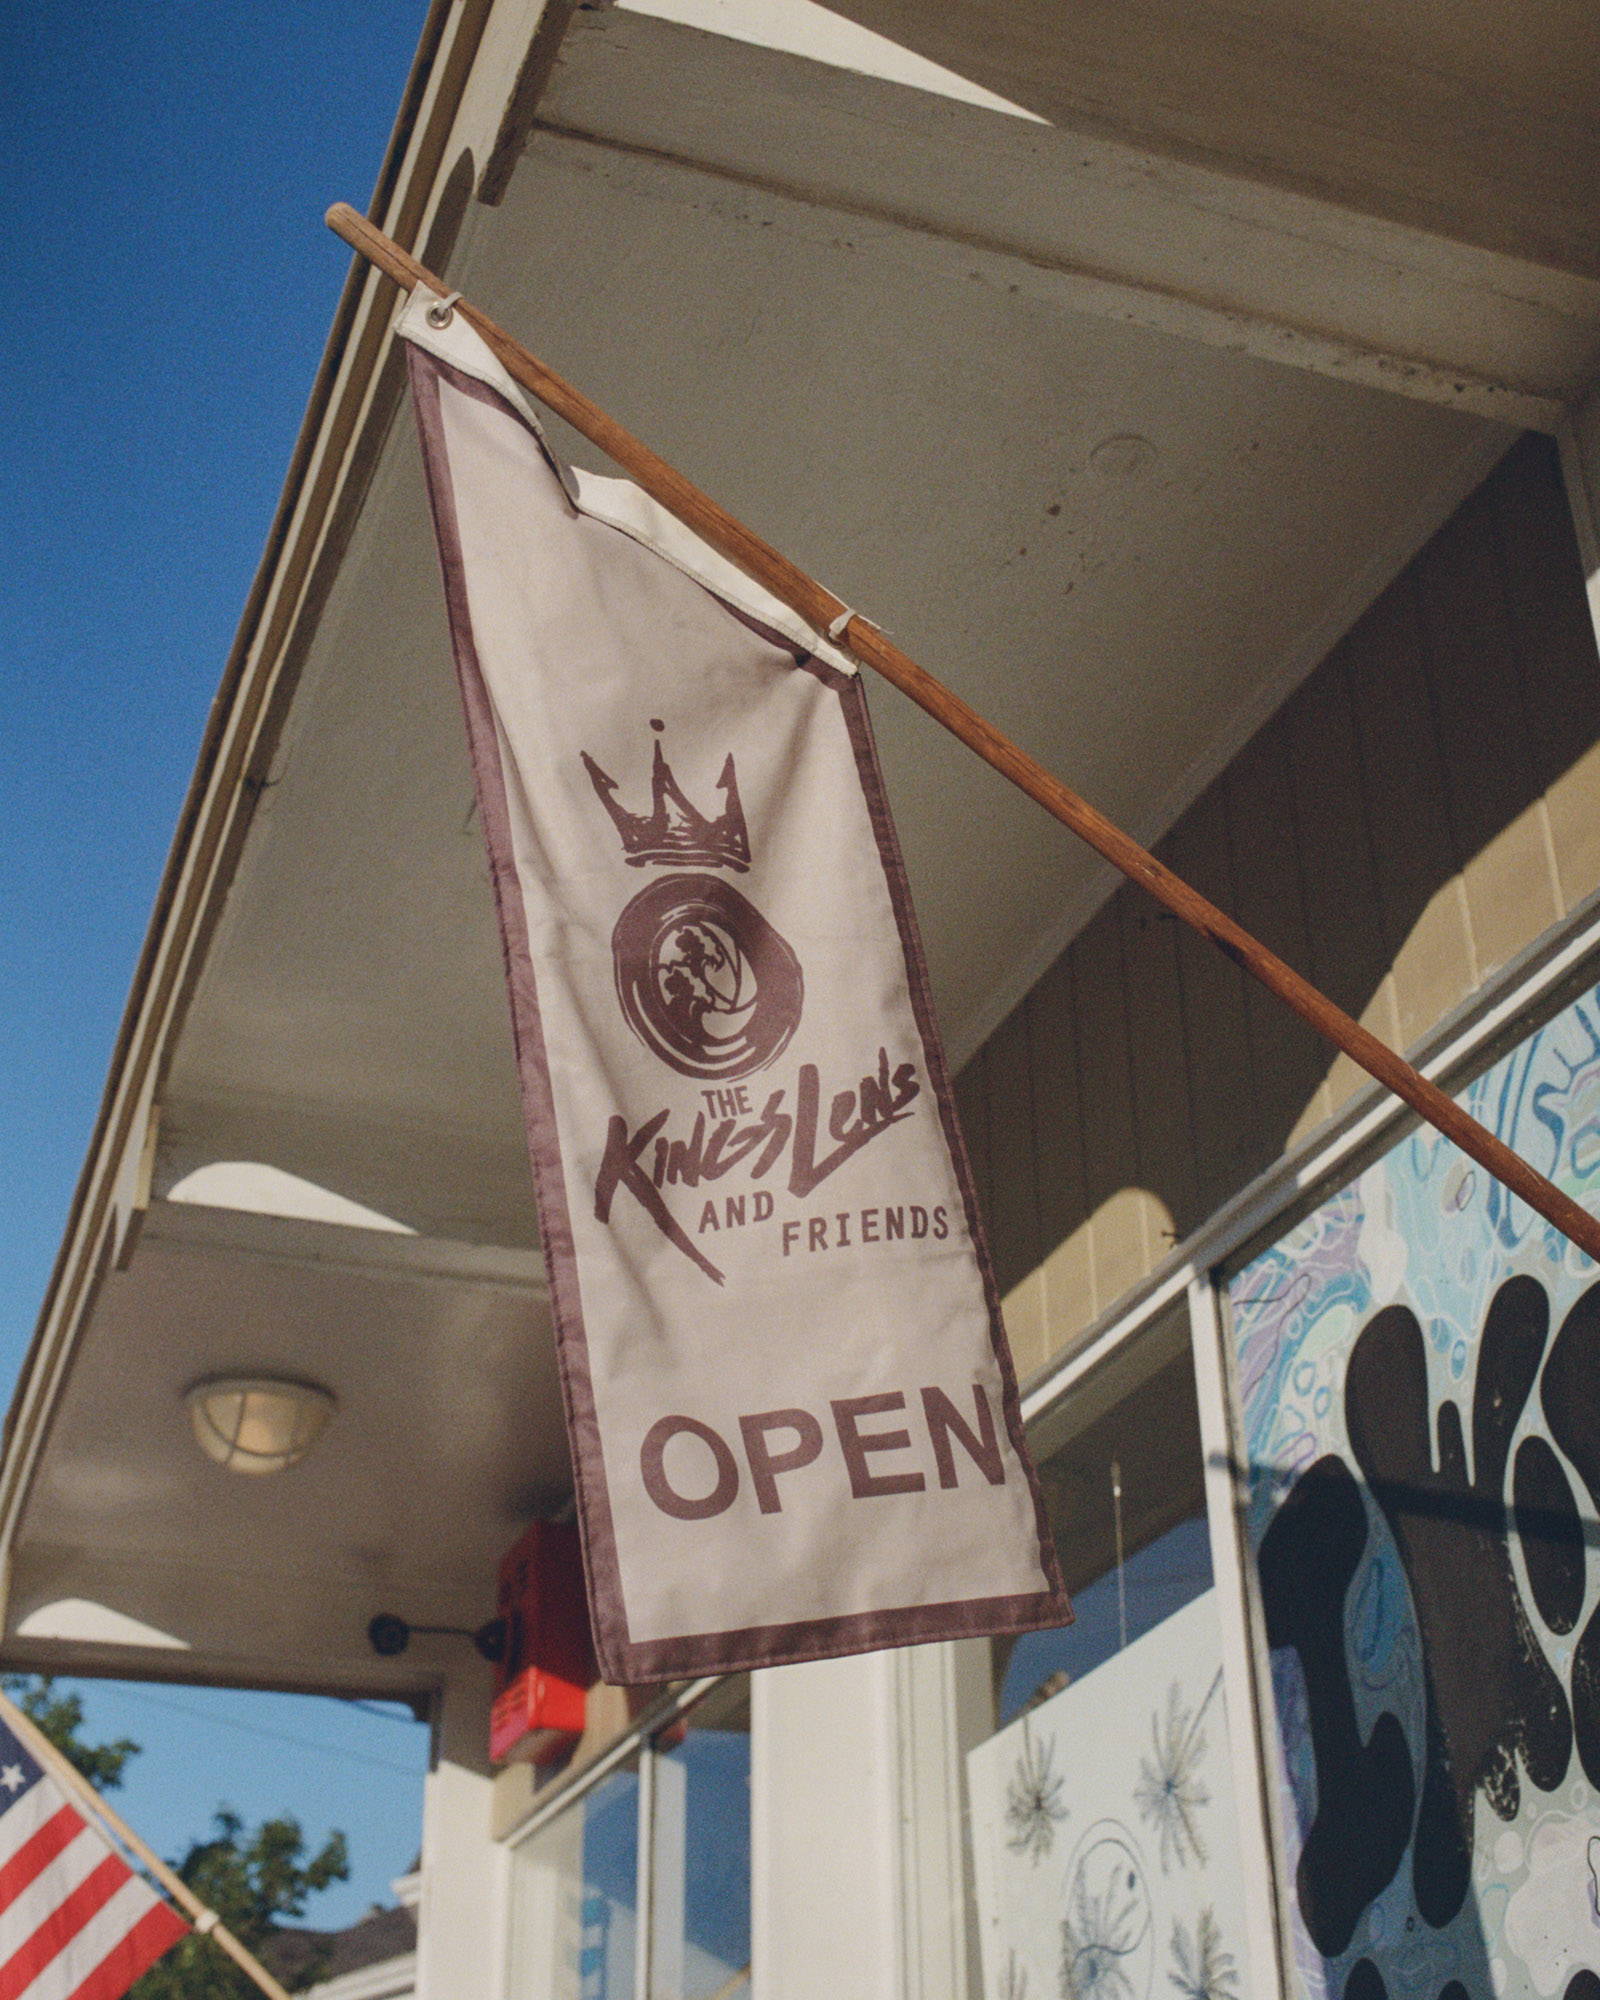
(1104, 1841)
(575, 1898)
(1418, 1369)
(700, 1877)
(580, 1881)
(1123, 1478)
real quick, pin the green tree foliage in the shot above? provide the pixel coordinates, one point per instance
(60, 1716)
(252, 1878)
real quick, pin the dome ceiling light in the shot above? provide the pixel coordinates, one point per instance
(257, 1423)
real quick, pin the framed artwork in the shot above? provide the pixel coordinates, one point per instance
(1418, 1373)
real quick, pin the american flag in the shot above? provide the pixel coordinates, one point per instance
(76, 1923)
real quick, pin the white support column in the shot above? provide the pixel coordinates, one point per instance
(858, 1823)
(461, 1912)
(825, 1890)
(1245, 1685)
(944, 1704)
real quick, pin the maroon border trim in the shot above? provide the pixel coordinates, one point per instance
(597, 1535)
(622, 1660)
(853, 699)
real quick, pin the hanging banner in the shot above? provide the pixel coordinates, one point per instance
(792, 1414)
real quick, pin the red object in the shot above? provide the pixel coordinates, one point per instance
(549, 1666)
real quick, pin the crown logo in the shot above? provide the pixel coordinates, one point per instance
(676, 833)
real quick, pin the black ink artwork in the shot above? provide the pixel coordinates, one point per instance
(1105, 1936)
(1033, 1799)
(1201, 1968)
(1364, 1790)
(1494, 1717)
(1493, 1700)
(1170, 1793)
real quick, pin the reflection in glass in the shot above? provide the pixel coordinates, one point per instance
(574, 1899)
(700, 1891)
(1124, 1488)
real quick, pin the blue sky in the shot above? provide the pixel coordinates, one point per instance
(169, 286)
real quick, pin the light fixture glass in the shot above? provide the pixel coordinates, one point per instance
(257, 1423)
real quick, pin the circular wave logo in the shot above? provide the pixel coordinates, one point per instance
(704, 980)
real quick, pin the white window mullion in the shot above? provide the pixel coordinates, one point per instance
(1244, 1665)
(644, 1877)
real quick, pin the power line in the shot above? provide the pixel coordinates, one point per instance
(273, 1735)
(395, 1711)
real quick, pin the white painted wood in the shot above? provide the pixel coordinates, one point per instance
(393, 1979)
(1095, 220)
(1475, 117)
(543, 1929)
(825, 1894)
(802, 28)
(934, 1906)
(1248, 1694)
(861, 1866)
(462, 1911)
(661, 1926)
(645, 1873)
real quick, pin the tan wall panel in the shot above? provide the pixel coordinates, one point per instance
(1422, 809)
(1217, 1054)
(1287, 1059)
(1421, 902)
(1494, 805)
(1554, 648)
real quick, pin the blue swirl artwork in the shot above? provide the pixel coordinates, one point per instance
(1418, 1368)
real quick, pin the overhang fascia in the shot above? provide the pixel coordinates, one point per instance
(1093, 221)
(476, 61)
(1472, 121)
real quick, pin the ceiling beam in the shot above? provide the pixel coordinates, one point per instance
(1463, 119)
(1095, 224)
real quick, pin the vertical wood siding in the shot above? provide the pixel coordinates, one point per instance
(1422, 808)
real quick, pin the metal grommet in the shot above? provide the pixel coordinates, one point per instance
(442, 311)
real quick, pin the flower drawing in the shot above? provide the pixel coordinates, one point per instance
(1033, 1800)
(1170, 1792)
(1100, 1937)
(1202, 1970)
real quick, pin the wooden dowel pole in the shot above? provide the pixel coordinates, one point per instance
(72, 1780)
(819, 607)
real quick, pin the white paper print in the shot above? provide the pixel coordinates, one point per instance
(1103, 1831)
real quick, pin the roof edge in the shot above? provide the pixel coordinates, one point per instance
(407, 198)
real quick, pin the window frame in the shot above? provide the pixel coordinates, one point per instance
(1509, 1006)
(636, 1742)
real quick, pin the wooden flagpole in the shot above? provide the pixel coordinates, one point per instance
(205, 1920)
(821, 609)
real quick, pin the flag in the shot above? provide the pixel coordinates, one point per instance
(793, 1417)
(76, 1923)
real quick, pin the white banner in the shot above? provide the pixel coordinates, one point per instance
(792, 1413)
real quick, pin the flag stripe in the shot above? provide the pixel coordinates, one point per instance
(158, 1930)
(76, 1923)
(20, 1822)
(56, 1934)
(57, 1834)
(52, 1885)
(95, 1944)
